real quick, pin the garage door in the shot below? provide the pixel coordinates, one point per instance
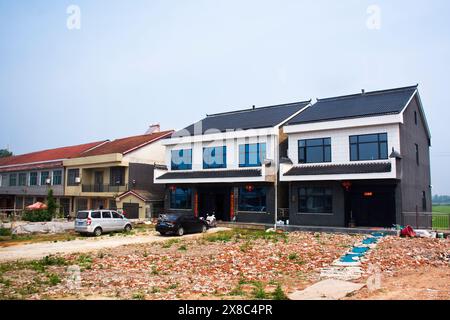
(131, 210)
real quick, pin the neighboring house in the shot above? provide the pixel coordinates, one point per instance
(227, 164)
(361, 160)
(118, 174)
(25, 179)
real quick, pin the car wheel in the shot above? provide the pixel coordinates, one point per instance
(204, 229)
(128, 228)
(180, 231)
(98, 232)
(162, 233)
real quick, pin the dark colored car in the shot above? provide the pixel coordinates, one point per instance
(180, 223)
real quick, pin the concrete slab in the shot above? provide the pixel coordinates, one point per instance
(341, 273)
(329, 289)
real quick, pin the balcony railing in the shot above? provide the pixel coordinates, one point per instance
(103, 188)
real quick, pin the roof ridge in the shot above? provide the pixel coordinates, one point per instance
(256, 109)
(143, 135)
(375, 92)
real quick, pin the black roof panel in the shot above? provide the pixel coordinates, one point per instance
(370, 167)
(211, 174)
(255, 118)
(367, 104)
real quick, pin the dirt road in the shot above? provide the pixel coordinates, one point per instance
(42, 249)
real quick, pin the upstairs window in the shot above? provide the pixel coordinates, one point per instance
(57, 178)
(368, 147)
(44, 176)
(117, 176)
(3, 180)
(181, 159)
(215, 157)
(22, 179)
(252, 155)
(72, 175)
(33, 179)
(314, 150)
(181, 198)
(13, 179)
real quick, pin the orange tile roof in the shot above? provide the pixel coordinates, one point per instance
(50, 154)
(126, 145)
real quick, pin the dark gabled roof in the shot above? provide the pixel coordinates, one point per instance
(211, 174)
(371, 167)
(255, 118)
(375, 103)
(144, 195)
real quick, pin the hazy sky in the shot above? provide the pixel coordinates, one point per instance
(134, 63)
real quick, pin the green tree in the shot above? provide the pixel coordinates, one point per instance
(51, 204)
(5, 153)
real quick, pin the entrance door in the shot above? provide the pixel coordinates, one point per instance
(214, 200)
(131, 210)
(373, 208)
(98, 181)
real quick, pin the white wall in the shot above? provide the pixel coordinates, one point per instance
(340, 146)
(150, 154)
(232, 145)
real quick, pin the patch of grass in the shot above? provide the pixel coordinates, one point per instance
(154, 271)
(182, 248)
(221, 236)
(6, 282)
(279, 294)
(173, 286)
(258, 292)
(167, 244)
(4, 232)
(237, 291)
(84, 261)
(138, 296)
(53, 279)
(293, 256)
(155, 290)
(246, 246)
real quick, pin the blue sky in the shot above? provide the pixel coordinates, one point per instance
(134, 63)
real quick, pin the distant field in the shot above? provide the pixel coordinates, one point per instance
(441, 217)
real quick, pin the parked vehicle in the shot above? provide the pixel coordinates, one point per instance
(180, 223)
(97, 222)
(210, 220)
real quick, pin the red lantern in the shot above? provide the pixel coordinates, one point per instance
(346, 185)
(173, 188)
(249, 188)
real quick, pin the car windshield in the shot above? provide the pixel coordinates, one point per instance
(170, 217)
(82, 214)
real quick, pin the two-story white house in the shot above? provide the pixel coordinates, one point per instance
(359, 160)
(227, 164)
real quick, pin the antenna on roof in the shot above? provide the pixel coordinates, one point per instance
(253, 107)
(363, 91)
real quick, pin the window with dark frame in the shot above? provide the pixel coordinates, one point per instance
(252, 199)
(214, 157)
(314, 150)
(315, 200)
(12, 179)
(44, 176)
(57, 177)
(181, 159)
(22, 179)
(368, 147)
(417, 153)
(72, 175)
(117, 176)
(181, 198)
(33, 178)
(252, 155)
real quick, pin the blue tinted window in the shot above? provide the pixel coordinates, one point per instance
(252, 155)
(368, 147)
(181, 159)
(181, 198)
(314, 150)
(215, 157)
(252, 199)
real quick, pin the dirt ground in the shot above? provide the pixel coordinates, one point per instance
(234, 264)
(227, 265)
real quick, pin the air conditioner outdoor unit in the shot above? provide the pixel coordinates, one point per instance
(77, 180)
(48, 181)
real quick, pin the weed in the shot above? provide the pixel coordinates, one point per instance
(138, 296)
(4, 232)
(258, 291)
(154, 271)
(173, 286)
(85, 261)
(155, 290)
(53, 279)
(182, 248)
(169, 243)
(237, 291)
(293, 256)
(279, 294)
